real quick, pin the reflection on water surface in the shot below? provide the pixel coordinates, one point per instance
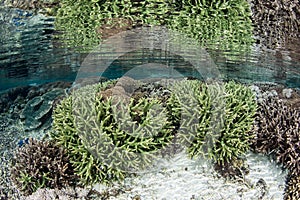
(30, 55)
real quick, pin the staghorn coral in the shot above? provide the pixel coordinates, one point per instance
(276, 21)
(216, 119)
(41, 164)
(106, 136)
(269, 125)
(288, 151)
(227, 22)
(292, 189)
(65, 134)
(278, 133)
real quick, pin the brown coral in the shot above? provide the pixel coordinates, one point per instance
(270, 122)
(288, 151)
(276, 21)
(41, 164)
(278, 132)
(292, 189)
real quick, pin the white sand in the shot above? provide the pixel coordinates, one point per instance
(170, 180)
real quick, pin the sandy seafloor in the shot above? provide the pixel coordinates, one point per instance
(183, 178)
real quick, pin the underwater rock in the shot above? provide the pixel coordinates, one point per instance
(123, 89)
(37, 112)
(114, 26)
(287, 92)
(234, 169)
(7, 98)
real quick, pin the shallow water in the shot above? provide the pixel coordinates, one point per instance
(30, 55)
(28, 52)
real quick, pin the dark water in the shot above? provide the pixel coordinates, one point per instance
(29, 55)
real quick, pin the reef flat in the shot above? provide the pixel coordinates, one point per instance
(261, 177)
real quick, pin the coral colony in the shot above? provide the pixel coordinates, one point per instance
(218, 121)
(227, 22)
(264, 126)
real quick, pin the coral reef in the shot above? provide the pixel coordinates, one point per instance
(292, 189)
(276, 21)
(216, 119)
(65, 134)
(288, 151)
(8, 97)
(277, 132)
(233, 169)
(37, 112)
(107, 137)
(68, 193)
(269, 125)
(228, 22)
(211, 23)
(41, 164)
(33, 4)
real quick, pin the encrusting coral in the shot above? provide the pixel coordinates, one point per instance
(41, 164)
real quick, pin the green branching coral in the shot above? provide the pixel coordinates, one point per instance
(107, 136)
(226, 23)
(88, 168)
(216, 119)
(41, 164)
